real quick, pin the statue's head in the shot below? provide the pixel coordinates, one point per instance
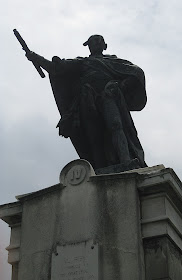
(96, 44)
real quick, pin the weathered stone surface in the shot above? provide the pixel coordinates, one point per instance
(39, 225)
(161, 213)
(161, 205)
(111, 212)
(163, 260)
(75, 262)
(12, 214)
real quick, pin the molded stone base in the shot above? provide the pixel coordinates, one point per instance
(124, 226)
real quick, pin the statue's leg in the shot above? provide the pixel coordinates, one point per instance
(113, 122)
(93, 130)
(114, 125)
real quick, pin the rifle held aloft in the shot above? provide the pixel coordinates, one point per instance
(27, 50)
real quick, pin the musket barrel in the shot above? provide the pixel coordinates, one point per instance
(27, 50)
(21, 41)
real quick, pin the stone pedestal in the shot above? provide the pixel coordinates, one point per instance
(125, 226)
(161, 213)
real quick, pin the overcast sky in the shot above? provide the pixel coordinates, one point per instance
(148, 33)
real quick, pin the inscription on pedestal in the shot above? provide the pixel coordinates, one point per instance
(75, 262)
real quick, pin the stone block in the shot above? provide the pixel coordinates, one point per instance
(161, 221)
(163, 259)
(91, 227)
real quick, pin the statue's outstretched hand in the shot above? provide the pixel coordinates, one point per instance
(40, 61)
(37, 61)
(32, 56)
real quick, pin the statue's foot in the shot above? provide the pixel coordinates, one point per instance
(117, 168)
(134, 164)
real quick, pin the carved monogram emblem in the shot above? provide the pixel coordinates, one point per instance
(76, 175)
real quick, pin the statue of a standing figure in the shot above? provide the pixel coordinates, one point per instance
(94, 96)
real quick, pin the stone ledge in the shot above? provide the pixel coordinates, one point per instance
(11, 213)
(41, 192)
(161, 205)
(12, 247)
(165, 177)
(165, 182)
(162, 228)
(14, 256)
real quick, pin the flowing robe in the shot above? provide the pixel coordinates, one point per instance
(82, 85)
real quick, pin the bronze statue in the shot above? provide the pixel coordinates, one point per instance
(94, 96)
